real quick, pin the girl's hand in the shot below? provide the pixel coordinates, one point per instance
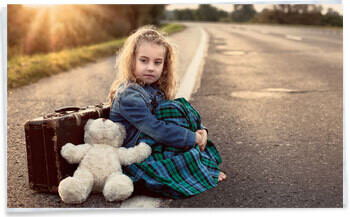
(204, 135)
(199, 138)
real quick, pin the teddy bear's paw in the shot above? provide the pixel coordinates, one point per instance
(144, 151)
(118, 187)
(68, 152)
(72, 191)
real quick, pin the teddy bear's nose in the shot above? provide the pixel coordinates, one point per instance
(104, 119)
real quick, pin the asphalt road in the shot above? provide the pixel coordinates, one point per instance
(273, 106)
(87, 85)
(272, 101)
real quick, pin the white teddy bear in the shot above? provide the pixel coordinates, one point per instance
(100, 161)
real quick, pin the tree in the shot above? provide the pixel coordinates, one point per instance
(243, 13)
(306, 14)
(207, 13)
(203, 13)
(185, 14)
(332, 18)
(155, 13)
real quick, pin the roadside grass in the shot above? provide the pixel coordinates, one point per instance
(172, 28)
(24, 70)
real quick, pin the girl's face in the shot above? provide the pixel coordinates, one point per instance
(149, 62)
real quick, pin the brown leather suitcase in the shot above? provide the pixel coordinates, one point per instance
(45, 137)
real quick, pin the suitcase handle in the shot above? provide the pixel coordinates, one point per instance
(66, 109)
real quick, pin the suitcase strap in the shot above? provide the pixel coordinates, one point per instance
(64, 110)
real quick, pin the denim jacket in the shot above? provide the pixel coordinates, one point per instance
(133, 105)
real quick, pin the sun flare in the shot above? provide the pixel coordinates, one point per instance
(39, 6)
(57, 23)
(44, 28)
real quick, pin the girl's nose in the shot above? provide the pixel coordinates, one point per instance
(150, 67)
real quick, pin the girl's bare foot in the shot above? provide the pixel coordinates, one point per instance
(222, 176)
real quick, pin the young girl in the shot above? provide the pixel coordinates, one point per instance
(183, 161)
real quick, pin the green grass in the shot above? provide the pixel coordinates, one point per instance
(24, 70)
(172, 28)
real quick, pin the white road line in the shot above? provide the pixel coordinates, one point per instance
(189, 80)
(293, 37)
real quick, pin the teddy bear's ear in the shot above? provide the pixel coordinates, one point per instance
(88, 123)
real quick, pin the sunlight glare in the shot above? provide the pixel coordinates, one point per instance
(39, 6)
(55, 23)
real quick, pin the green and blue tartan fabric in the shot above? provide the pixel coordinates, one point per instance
(173, 172)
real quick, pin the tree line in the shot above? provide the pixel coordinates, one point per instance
(40, 30)
(305, 14)
(45, 29)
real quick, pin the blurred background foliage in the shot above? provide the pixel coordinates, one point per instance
(303, 14)
(53, 28)
(33, 30)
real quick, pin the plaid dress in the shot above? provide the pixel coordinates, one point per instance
(173, 172)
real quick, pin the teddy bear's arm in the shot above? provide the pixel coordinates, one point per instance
(135, 154)
(74, 153)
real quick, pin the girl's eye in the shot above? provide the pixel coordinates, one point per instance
(158, 63)
(143, 60)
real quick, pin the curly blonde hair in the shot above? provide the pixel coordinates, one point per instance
(126, 61)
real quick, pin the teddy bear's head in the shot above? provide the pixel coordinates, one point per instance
(104, 131)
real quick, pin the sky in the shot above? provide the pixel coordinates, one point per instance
(258, 7)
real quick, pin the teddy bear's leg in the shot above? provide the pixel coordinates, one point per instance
(76, 189)
(118, 187)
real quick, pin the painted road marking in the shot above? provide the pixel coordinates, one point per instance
(293, 37)
(265, 93)
(189, 80)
